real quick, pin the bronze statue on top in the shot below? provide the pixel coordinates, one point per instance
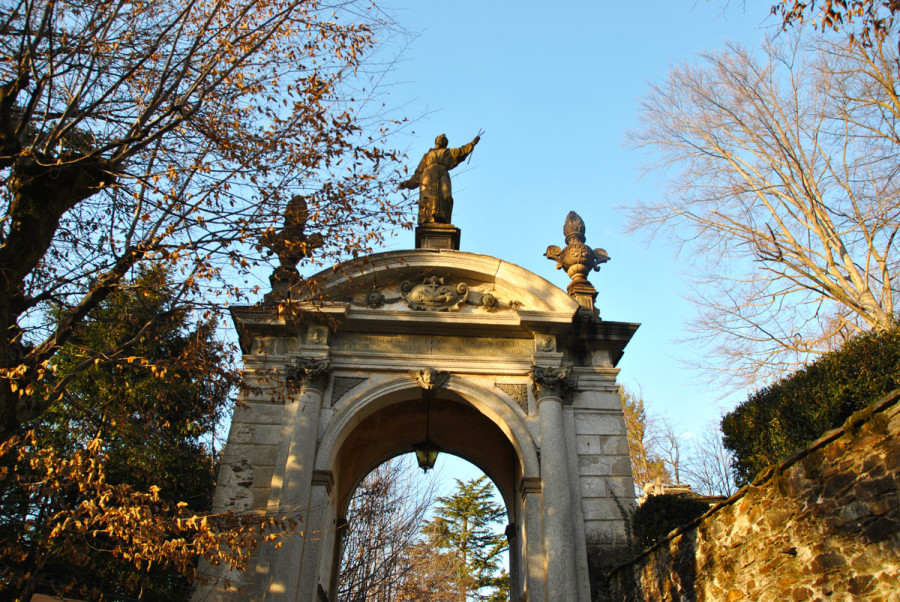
(432, 176)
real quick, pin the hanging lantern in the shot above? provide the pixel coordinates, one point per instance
(426, 451)
(426, 454)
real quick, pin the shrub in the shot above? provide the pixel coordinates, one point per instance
(803, 406)
(659, 514)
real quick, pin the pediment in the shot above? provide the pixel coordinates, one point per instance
(440, 281)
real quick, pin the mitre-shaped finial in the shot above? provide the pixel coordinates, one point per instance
(291, 243)
(577, 259)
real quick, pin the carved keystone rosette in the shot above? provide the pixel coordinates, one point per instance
(309, 372)
(434, 294)
(552, 382)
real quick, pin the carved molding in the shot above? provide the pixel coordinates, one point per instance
(323, 478)
(545, 343)
(317, 335)
(343, 385)
(518, 393)
(489, 303)
(434, 294)
(552, 382)
(529, 486)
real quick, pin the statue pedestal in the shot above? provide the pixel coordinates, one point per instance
(583, 292)
(437, 236)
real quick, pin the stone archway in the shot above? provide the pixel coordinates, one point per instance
(523, 382)
(454, 425)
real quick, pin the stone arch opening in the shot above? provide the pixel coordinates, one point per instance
(384, 551)
(454, 425)
(380, 427)
(465, 421)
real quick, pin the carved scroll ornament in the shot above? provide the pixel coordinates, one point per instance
(434, 294)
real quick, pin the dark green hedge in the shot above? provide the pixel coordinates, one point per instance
(803, 406)
(659, 514)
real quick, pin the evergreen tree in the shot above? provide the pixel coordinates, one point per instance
(463, 527)
(148, 421)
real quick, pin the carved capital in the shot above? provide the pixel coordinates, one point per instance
(309, 372)
(552, 382)
(430, 379)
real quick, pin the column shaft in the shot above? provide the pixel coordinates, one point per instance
(559, 546)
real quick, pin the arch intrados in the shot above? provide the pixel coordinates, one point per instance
(455, 426)
(397, 404)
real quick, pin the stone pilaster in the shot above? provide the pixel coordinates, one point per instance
(292, 482)
(535, 569)
(551, 385)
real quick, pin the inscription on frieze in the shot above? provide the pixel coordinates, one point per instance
(432, 345)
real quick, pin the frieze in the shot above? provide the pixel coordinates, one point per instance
(436, 294)
(420, 345)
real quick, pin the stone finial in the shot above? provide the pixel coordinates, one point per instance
(291, 244)
(578, 259)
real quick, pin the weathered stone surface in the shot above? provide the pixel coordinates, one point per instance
(823, 524)
(376, 327)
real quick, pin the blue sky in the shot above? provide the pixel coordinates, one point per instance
(556, 86)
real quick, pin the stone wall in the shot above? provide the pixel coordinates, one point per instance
(824, 523)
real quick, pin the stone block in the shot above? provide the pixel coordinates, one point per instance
(615, 445)
(259, 413)
(605, 532)
(241, 432)
(590, 465)
(603, 509)
(267, 434)
(262, 476)
(259, 498)
(597, 400)
(256, 455)
(591, 423)
(593, 487)
(588, 444)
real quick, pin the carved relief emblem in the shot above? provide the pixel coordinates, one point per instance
(375, 300)
(434, 294)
